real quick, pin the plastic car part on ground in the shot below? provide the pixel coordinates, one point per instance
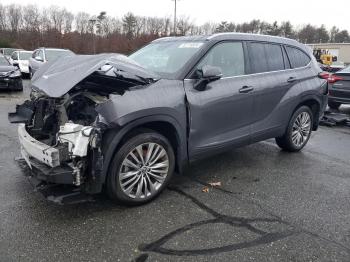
(334, 119)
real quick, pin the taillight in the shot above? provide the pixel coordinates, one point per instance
(334, 78)
(323, 75)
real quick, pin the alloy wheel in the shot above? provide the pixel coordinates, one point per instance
(301, 129)
(144, 170)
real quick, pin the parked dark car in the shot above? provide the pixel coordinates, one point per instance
(127, 123)
(335, 67)
(339, 88)
(10, 76)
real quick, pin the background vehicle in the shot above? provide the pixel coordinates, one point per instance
(8, 51)
(324, 57)
(10, 76)
(127, 123)
(339, 88)
(21, 60)
(335, 67)
(42, 55)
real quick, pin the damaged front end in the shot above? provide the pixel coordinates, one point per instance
(60, 130)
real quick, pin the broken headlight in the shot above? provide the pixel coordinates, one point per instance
(13, 74)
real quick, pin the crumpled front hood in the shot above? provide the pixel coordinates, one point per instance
(56, 78)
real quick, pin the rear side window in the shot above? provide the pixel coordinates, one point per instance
(258, 58)
(274, 57)
(297, 57)
(265, 57)
(229, 56)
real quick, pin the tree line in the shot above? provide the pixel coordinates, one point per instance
(29, 27)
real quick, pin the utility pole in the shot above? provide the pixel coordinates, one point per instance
(175, 1)
(96, 21)
(93, 22)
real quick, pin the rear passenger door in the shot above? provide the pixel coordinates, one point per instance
(272, 80)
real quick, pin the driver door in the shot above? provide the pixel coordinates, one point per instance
(221, 114)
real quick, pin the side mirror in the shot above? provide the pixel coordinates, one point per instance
(38, 58)
(206, 75)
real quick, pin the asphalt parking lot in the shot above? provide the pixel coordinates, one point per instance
(271, 206)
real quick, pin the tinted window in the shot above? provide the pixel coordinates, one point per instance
(258, 58)
(265, 57)
(228, 56)
(297, 57)
(274, 57)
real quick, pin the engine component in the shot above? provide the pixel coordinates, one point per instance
(77, 136)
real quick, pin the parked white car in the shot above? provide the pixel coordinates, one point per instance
(21, 60)
(42, 55)
(8, 51)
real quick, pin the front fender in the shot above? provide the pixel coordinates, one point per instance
(113, 137)
(163, 101)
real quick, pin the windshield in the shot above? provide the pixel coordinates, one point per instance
(25, 55)
(53, 54)
(3, 61)
(166, 58)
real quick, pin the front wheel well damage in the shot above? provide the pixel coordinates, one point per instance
(164, 128)
(112, 141)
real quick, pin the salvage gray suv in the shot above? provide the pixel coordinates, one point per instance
(126, 124)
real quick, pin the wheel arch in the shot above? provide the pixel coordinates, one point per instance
(315, 105)
(163, 124)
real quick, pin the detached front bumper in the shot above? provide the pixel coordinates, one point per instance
(44, 161)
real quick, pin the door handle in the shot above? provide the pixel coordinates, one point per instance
(246, 89)
(291, 79)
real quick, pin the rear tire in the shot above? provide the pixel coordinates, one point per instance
(298, 131)
(140, 169)
(334, 105)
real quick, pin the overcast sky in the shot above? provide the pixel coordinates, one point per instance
(299, 12)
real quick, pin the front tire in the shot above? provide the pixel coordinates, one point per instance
(298, 131)
(141, 168)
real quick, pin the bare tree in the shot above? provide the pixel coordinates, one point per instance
(14, 13)
(31, 18)
(68, 19)
(29, 27)
(3, 20)
(82, 22)
(184, 25)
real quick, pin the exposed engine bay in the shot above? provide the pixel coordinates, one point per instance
(61, 136)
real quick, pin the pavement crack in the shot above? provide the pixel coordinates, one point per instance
(296, 227)
(263, 237)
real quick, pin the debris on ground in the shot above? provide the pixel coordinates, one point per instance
(205, 189)
(212, 184)
(215, 184)
(334, 119)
